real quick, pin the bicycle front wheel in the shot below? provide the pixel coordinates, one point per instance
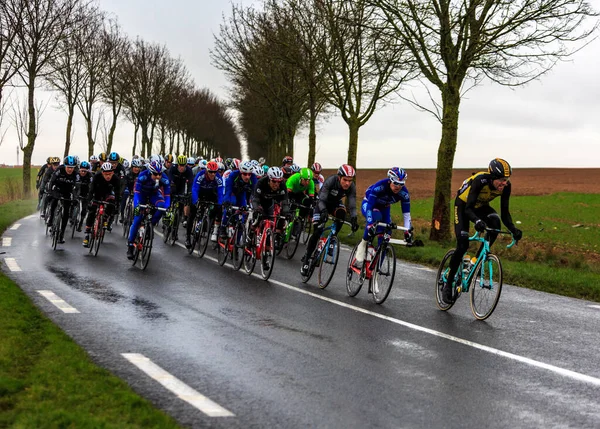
(239, 240)
(355, 277)
(127, 219)
(204, 234)
(383, 275)
(441, 278)
(75, 218)
(307, 231)
(222, 249)
(328, 262)
(56, 226)
(175, 227)
(267, 258)
(292, 244)
(99, 237)
(486, 286)
(147, 246)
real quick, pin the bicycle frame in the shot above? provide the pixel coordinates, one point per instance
(268, 222)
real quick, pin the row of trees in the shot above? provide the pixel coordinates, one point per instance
(75, 49)
(290, 61)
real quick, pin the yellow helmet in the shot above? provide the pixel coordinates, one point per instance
(182, 160)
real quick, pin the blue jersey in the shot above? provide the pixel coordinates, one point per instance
(379, 196)
(235, 187)
(203, 187)
(146, 187)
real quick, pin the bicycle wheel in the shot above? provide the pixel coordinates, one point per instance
(383, 275)
(239, 241)
(93, 233)
(127, 219)
(137, 245)
(441, 277)
(222, 249)
(204, 236)
(147, 245)
(249, 259)
(486, 286)
(75, 218)
(292, 244)
(56, 225)
(328, 262)
(99, 236)
(267, 259)
(307, 231)
(174, 227)
(278, 237)
(354, 277)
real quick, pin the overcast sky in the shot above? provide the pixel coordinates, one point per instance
(554, 122)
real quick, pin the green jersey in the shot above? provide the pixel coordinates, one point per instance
(295, 187)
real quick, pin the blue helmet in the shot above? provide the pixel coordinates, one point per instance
(155, 167)
(85, 165)
(114, 156)
(70, 161)
(397, 175)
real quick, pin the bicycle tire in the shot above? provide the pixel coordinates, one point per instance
(307, 231)
(99, 235)
(75, 218)
(479, 287)
(354, 281)
(222, 249)
(174, 228)
(328, 262)
(249, 259)
(136, 248)
(147, 245)
(443, 270)
(56, 225)
(292, 244)
(127, 219)
(205, 231)
(267, 259)
(386, 270)
(239, 241)
(92, 239)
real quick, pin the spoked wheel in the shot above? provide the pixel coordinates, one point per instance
(267, 259)
(93, 234)
(56, 226)
(222, 249)
(311, 268)
(441, 278)
(75, 219)
(239, 241)
(328, 262)
(127, 220)
(307, 231)
(486, 286)
(136, 248)
(354, 277)
(175, 228)
(195, 233)
(99, 237)
(249, 258)
(295, 236)
(147, 246)
(204, 236)
(383, 275)
(278, 237)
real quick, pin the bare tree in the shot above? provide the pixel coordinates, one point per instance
(459, 43)
(20, 118)
(40, 26)
(9, 62)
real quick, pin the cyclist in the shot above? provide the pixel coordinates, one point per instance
(83, 181)
(317, 176)
(376, 207)
(130, 178)
(207, 186)
(119, 171)
(95, 163)
(472, 204)
(150, 185)
(44, 185)
(238, 189)
(105, 187)
(181, 178)
(43, 169)
(169, 159)
(267, 192)
(301, 190)
(334, 189)
(286, 161)
(61, 184)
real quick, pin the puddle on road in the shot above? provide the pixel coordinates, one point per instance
(95, 289)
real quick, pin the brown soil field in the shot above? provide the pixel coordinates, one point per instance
(526, 181)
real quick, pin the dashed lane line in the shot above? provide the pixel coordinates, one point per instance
(15, 226)
(178, 387)
(522, 359)
(57, 301)
(6, 241)
(12, 265)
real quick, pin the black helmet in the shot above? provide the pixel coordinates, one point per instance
(499, 168)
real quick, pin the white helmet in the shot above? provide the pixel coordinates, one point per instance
(275, 173)
(258, 171)
(191, 161)
(246, 167)
(295, 168)
(125, 163)
(107, 166)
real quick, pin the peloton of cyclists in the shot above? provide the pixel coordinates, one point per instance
(105, 186)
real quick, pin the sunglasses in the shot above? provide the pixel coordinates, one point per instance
(246, 174)
(107, 173)
(212, 171)
(397, 183)
(156, 174)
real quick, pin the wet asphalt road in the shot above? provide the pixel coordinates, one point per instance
(284, 354)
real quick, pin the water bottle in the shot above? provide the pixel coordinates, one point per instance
(230, 231)
(321, 244)
(466, 265)
(370, 253)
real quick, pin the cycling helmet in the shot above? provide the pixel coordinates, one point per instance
(69, 161)
(258, 171)
(218, 159)
(221, 166)
(287, 160)
(136, 163)
(262, 160)
(499, 168)
(103, 157)
(169, 158)
(397, 175)
(125, 163)
(94, 158)
(212, 166)
(154, 158)
(85, 165)
(287, 170)
(155, 167)
(265, 168)
(295, 168)
(114, 156)
(346, 170)
(246, 167)
(181, 160)
(202, 164)
(228, 162)
(191, 161)
(77, 161)
(48, 160)
(316, 168)
(275, 174)
(306, 174)
(236, 164)
(55, 160)
(106, 166)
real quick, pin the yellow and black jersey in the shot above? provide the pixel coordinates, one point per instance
(480, 184)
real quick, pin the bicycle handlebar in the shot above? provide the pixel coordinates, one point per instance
(150, 206)
(477, 237)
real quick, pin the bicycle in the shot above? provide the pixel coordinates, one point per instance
(483, 278)
(379, 266)
(128, 215)
(75, 217)
(293, 231)
(202, 227)
(171, 225)
(326, 255)
(99, 226)
(233, 243)
(142, 244)
(263, 246)
(57, 220)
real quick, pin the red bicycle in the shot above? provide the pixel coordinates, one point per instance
(99, 228)
(263, 246)
(233, 244)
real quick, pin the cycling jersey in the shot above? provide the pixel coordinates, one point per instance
(205, 189)
(181, 183)
(237, 191)
(380, 196)
(84, 183)
(101, 189)
(294, 186)
(62, 183)
(147, 188)
(478, 191)
(264, 196)
(332, 193)
(40, 175)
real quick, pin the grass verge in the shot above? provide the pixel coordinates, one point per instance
(46, 380)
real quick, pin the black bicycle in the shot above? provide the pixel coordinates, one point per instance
(202, 227)
(57, 220)
(142, 244)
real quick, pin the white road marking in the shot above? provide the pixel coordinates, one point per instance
(15, 226)
(30, 216)
(557, 370)
(35, 243)
(12, 265)
(595, 306)
(178, 387)
(57, 301)
(6, 241)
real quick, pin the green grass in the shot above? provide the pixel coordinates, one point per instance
(11, 183)
(46, 380)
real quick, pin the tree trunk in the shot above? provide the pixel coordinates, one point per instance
(111, 132)
(90, 136)
(353, 127)
(178, 141)
(135, 132)
(70, 113)
(440, 221)
(171, 141)
(31, 135)
(312, 134)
